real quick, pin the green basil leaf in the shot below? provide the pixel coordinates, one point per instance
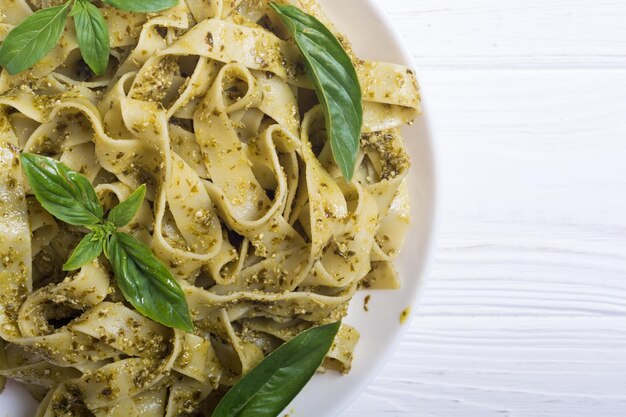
(124, 212)
(147, 284)
(142, 6)
(87, 250)
(275, 382)
(64, 193)
(32, 39)
(92, 34)
(335, 80)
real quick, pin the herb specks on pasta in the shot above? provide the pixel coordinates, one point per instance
(191, 195)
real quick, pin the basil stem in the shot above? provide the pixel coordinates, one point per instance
(145, 282)
(335, 80)
(277, 379)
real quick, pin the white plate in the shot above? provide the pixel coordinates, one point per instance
(373, 37)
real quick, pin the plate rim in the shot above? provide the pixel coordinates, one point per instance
(424, 276)
(385, 355)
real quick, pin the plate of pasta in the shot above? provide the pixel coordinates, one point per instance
(207, 207)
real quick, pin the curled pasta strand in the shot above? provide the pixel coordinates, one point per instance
(209, 105)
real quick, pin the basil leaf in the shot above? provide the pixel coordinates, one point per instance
(64, 193)
(335, 80)
(124, 212)
(275, 382)
(142, 6)
(92, 34)
(147, 284)
(87, 250)
(33, 38)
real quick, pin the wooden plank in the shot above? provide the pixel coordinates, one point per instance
(524, 315)
(534, 215)
(460, 367)
(516, 34)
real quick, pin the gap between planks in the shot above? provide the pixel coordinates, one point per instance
(457, 367)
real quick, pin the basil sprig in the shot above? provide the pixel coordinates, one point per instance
(144, 281)
(335, 80)
(277, 379)
(32, 39)
(36, 35)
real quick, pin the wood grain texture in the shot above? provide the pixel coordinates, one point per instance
(525, 314)
(504, 367)
(534, 198)
(517, 34)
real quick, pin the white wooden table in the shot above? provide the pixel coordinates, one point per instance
(525, 314)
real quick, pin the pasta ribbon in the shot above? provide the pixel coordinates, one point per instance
(209, 105)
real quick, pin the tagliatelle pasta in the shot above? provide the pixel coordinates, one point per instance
(207, 103)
